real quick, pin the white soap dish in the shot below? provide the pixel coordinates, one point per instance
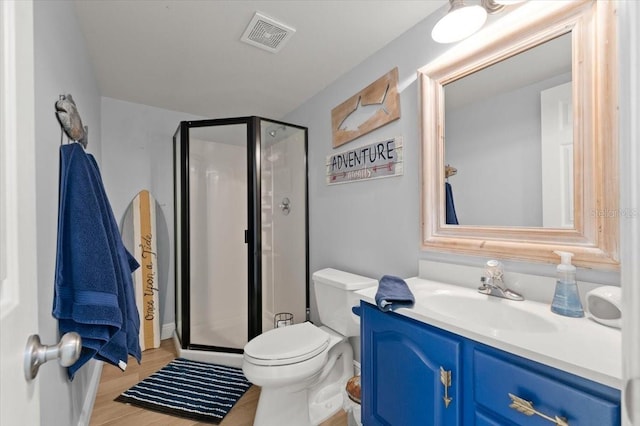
(604, 305)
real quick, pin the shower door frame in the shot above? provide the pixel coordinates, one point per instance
(253, 233)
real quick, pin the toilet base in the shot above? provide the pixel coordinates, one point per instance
(310, 406)
(326, 403)
(302, 408)
(274, 410)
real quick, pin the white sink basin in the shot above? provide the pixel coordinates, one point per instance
(487, 311)
(525, 328)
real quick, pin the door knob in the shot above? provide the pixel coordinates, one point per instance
(632, 399)
(36, 354)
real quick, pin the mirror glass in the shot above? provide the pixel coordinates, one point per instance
(530, 178)
(509, 141)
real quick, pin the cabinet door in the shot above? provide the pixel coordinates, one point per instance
(411, 372)
(500, 379)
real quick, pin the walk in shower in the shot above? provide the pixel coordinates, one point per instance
(241, 233)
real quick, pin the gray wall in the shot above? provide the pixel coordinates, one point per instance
(369, 227)
(373, 227)
(137, 154)
(61, 66)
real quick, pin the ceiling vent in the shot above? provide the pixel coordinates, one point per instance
(267, 33)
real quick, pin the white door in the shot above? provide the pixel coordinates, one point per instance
(629, 16)
(18, 293)
(557, 157)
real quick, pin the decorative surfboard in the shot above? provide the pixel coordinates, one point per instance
(146, 276)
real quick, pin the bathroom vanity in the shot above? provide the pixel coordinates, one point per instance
(462, 358)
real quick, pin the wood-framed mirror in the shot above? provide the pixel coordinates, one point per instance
(569, 203)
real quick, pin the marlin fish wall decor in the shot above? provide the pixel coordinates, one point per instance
(371, 108)
(70, 121)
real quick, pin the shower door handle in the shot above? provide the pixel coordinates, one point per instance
(246, 236)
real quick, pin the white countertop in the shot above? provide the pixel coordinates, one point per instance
(577, 345)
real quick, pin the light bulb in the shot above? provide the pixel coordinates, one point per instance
(508, 2)
(459, 23)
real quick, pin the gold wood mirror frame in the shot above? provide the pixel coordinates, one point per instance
(594, 238)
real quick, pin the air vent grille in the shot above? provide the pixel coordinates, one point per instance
(267, 33)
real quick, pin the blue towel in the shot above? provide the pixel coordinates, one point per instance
(451, 217)
(93, 293)
(393, 293)
(126, 341)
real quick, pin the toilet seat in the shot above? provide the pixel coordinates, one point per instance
(287, 345)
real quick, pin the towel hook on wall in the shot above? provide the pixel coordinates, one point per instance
(449, 171)
(70, 121)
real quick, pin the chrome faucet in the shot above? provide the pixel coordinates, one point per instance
(493, 284)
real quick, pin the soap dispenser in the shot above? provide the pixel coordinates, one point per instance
(566, 300)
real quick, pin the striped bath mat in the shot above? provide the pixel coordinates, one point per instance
(190, 389)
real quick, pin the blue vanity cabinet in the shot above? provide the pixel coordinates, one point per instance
(411, 372)
(403, 361)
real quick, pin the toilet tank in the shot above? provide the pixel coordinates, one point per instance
(335, 296)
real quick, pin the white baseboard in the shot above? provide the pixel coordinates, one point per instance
(94, 380)
(90, 398)
(167, 330)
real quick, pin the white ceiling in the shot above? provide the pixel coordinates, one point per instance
(186, 55)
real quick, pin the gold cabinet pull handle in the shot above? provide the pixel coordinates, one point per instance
(526, 407)
(445, 379)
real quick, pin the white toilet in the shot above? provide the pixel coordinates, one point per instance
(302, 369)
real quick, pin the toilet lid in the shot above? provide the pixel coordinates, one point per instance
(287, 345)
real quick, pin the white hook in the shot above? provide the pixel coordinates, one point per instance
(284, 206)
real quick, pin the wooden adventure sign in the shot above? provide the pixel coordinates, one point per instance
(377, 160)
(372, 107)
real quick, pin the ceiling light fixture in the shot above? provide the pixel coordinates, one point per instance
(463, 20)
(508, 2)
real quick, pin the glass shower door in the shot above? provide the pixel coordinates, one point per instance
(284, 224)
(217, 156)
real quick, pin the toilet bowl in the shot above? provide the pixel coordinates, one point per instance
(302, 369)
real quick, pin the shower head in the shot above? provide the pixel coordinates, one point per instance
(274, 132)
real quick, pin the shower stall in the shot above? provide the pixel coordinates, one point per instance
(241, 233)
